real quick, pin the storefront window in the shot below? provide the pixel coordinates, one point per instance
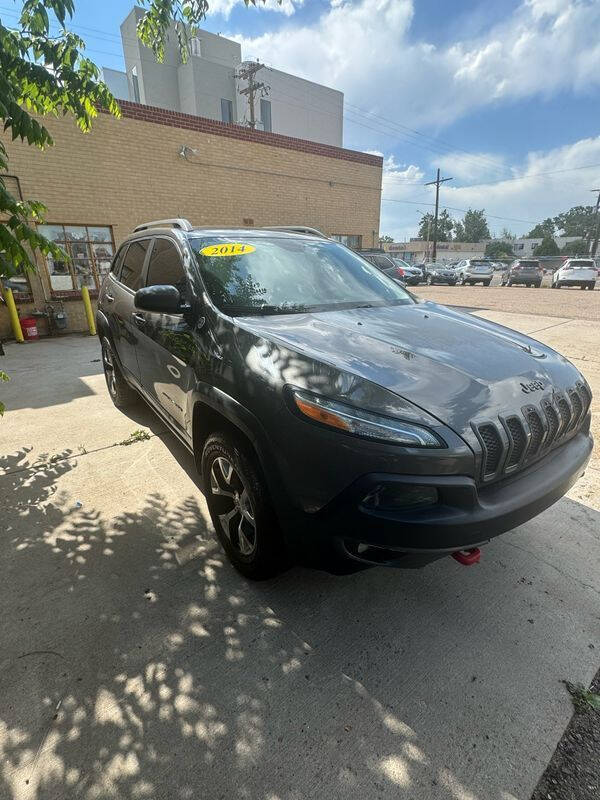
(90, 249)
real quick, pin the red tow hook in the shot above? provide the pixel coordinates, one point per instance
(467, 557)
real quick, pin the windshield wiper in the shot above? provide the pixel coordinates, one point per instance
(266, 309)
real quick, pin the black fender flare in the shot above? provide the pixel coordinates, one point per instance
(250, 426)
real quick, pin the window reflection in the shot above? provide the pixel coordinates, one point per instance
(90, 250)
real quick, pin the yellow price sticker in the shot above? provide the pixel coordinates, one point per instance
(227, 249)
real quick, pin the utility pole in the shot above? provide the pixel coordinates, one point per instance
(247, 72)
(597, 233)
(436, 182)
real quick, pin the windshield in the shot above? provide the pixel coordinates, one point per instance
(528, 265)
(282, 276)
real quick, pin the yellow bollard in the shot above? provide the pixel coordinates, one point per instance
(88, 310)
(14, 317)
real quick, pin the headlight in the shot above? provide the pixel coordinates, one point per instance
(363, 423)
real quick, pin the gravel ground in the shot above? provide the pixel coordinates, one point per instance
(572, 773)
(571, 303)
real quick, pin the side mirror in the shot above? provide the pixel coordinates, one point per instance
(161, 299)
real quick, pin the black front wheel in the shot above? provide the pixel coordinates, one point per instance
(240, 507)
(121, 393)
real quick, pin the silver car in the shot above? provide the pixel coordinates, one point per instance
(474, 270)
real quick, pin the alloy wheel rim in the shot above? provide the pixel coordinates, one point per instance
(109, 368)
(235, 512)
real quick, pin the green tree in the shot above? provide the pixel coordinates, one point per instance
(459, 231)
(577, 248)
(542, 229)
(386, 239)
(474, 227)
(507, 235)
(577, 221)
(547, 247)
(444, 227)
(497, 250)
(43, 74)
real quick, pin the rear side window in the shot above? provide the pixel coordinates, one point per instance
(117, 262)
(165, 266)
(133, 264)
(382, 262)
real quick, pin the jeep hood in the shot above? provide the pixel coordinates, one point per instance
(452, 365)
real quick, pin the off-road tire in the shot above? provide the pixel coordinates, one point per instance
(121, 393)
(267, 555)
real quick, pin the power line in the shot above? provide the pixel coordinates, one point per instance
(520, 177)
(453, 208)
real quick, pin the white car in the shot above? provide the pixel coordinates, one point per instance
(575, 272)
(474, 270)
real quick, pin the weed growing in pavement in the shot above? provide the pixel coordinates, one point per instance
(582, 698)
(136, 436)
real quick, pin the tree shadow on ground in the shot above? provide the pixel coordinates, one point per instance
(129, 671)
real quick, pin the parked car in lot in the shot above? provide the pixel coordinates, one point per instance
(439, 273)
(474, 270)
(327, 409)
(410, 275)
(523, 270)
(385, 263)
(575, 272)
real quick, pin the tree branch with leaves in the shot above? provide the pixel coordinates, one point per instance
(44, 73)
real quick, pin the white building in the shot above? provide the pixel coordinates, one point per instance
(419, 250)
(523, 248)
(209, 85)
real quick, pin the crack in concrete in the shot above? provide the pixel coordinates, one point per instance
(554, 567)
(43, 465)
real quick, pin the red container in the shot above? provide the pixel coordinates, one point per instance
(29, 328)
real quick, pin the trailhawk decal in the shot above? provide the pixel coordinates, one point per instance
(228, 249)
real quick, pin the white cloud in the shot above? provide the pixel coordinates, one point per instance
(470, 166)
(364, 49)
(529, 196)
(225, 7)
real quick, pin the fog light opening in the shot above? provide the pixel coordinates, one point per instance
(400, 496)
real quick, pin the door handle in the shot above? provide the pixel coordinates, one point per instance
(140, 319)
(109, 298)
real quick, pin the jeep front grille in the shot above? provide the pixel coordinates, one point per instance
(519, 442)
(552, 421)
(517, 439)
(493, 448)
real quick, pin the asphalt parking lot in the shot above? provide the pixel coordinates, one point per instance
(135, 663)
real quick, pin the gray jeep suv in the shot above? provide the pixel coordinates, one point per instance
(329, 411)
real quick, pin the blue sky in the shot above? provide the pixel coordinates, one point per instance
(494, 93)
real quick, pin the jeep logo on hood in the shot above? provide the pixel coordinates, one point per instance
(532, 386)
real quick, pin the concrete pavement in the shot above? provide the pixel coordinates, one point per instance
(135, 663)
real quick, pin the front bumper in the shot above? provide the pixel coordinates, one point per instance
(444, 279)
(466, 515)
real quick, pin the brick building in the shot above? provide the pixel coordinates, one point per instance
(152, 164)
